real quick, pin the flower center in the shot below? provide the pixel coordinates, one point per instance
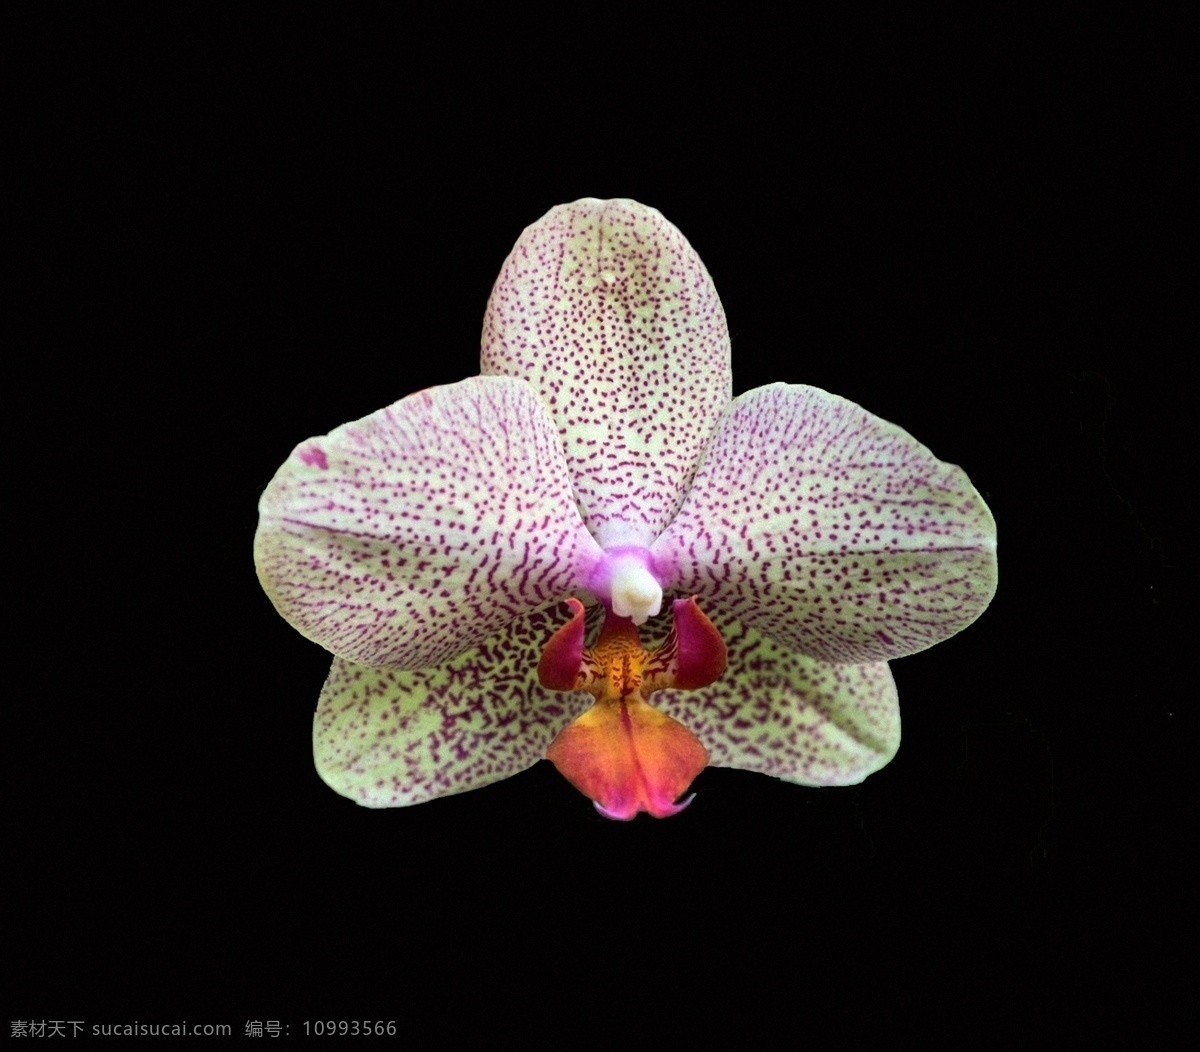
(625, 579)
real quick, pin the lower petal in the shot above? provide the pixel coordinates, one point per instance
(782, 713)
(629, 757)
(391, 738)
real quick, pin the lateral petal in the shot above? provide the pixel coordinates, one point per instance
(830, 530)
(405, 538)
(392, 738)
(781, 713)
(607, 310)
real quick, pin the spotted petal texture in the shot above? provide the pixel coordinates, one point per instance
(392, 738)
(607, 310)
(833, 532)
(781, 713)
(405, 538)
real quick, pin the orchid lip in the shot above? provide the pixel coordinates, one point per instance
(663, 810)
(623, 753)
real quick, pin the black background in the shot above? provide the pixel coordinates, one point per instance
(241, 229)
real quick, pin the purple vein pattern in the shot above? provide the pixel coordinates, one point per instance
(832, 531)
(404, 538)
(791, 716)
(389, 738)
(607, 311)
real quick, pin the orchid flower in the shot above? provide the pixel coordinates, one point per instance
(600, 461)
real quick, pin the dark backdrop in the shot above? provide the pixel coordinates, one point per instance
(244, 229)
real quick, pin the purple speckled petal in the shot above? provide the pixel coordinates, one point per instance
(831, 531)
(791, 716)
(389, 739)
(404, 538)
(607, 310)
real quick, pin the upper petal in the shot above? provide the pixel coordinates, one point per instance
(406, 537)
(608, 311)
(831, 531)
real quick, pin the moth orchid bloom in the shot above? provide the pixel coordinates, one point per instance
(777, 549)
